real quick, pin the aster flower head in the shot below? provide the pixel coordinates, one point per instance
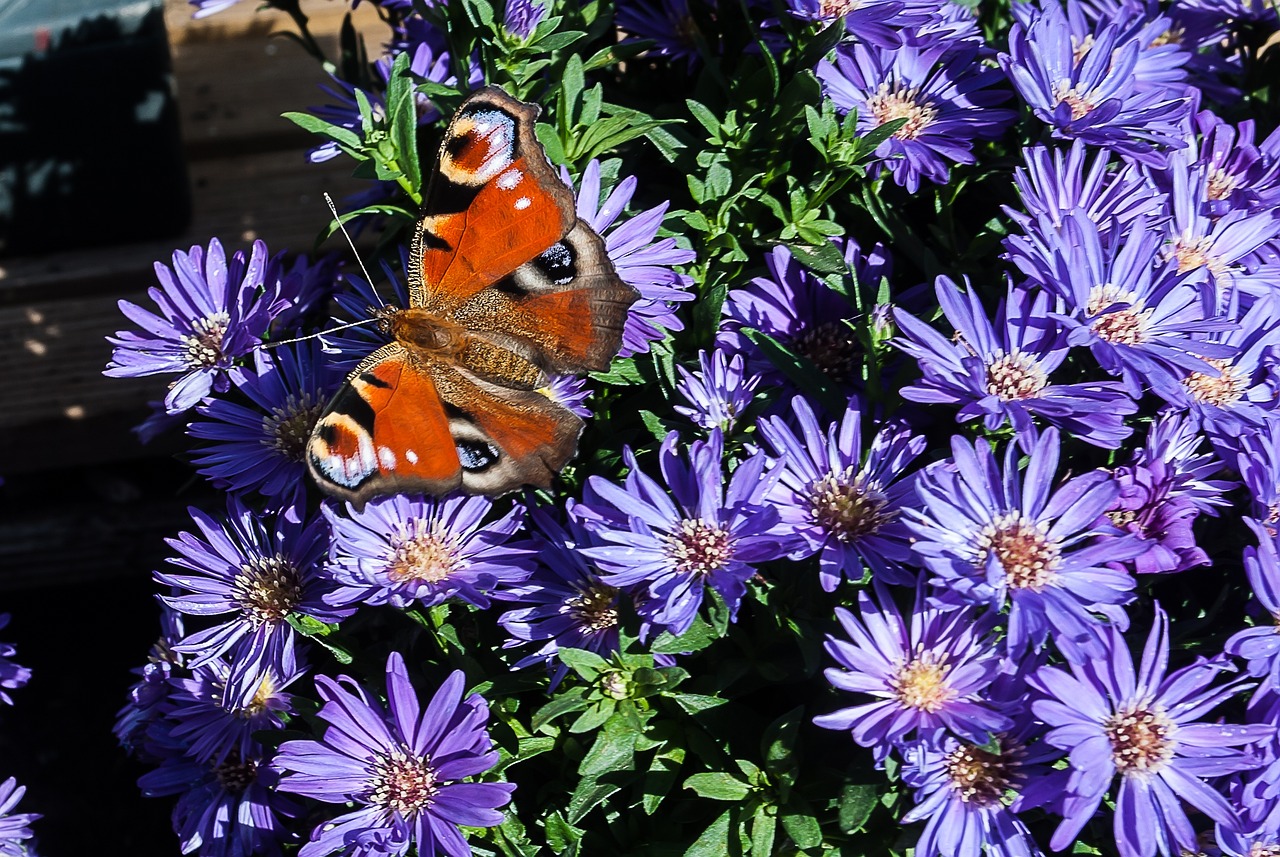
(1239, 174)
(404, 550)
(882, 23)
(1174, 441)
(260, 446)
(1000, 370)
(1139, 317)
(1143, 724)
(1090, 90)
(15, 827)
(256, 571)
(149, 696)
(404, 767)
(838, 501)
(641, 259)
(12, 676)
(801, 312)
(719, 393)
(943, 91)
(1260, 646)
(1145, 508)
(707, 532)
(995, 536)
(669, 24)
(211, 311)
(925, 672)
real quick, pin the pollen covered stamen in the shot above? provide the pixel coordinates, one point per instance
(1225, 389)
(831, 347)
(267, 589)
(1142, 739)
(1016, 376)
(921, 683)
(978, 776)
(890, 104)
(204, 343)
(1221, 184)
(402, 782)
(1029, 559)
(1126, 325)
(1192, 252)
(848, 505)
(428, 553)
(596, 608)
(699, 547)
(1081, 103)
(288, 427)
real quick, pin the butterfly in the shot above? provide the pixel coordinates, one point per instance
(507, 287)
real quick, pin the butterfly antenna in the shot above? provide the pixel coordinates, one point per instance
(354, 251)
(330, 330)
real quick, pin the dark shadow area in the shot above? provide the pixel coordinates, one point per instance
(90, 151)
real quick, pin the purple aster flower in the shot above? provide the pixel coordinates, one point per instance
(211, 312)
(1000, 371)
(259, 569)
(1238, 174)
(349, 346)
(1007, 539)
(214, 722)
(719, 393)
(669, 24)
(1143, 724)
(402, 550)
(259, 446)
(835, 501)
(1260, 646)
(568, 603)
(640, 260)
(704, 533)
(876, 22)
(943, 91)
(570, 391)
(1145, 509)
(1091, 91)
(795, 307)
(15, 827)
(1133, 310)
(1161, 60)
(521, 17)
(1174, 441)
(403, 766)
(1054, 184)
(12, 676)
(924, 674)
(224, 809)
(149, 696)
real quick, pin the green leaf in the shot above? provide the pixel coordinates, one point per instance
(781, 746)
(857, 802)
(695, 703)
(574, 699)
(705, 117)
(550, 141)
(611, 752)
(404, 122)
(718, 611)
(803, 829)
(558, 41)
(662, 775)
(764, 828)
(714, 841)
(698, 637)
(593, 718)
(718, 786)
(587, 664)
(562, 837)
(343, 136)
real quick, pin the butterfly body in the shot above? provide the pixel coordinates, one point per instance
(507, 289)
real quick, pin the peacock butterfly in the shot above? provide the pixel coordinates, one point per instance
(506, 287)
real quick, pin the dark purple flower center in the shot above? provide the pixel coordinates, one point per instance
(829, 346)
(1015, 376)
(979, 776)
(288, 428)
(697, 547)
(429, 553)
(848, 505)
(1227, 388)
(267, 589)
(402, 782)
(921, 683)
(890, 104)
(1142, 738)
(236, 774)
(1029, 559)
(595, 608)
(204, 343)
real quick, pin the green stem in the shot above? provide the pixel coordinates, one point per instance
(294, 11)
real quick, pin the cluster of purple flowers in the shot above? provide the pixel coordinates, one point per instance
(15, 827)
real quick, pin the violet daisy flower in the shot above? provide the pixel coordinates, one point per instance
(1238, 173)
(877, 22)
(402, 766)
(1000, 371)
(1260, 646)
(925, 673)
(1135, 313)
(225, 809)
(15, 827)
(211, 312)
(1054, 184)
(706, 533)
(12, 676)
(835, 501)
(669, 24)
(214, 723)
(1095, 97)
(1161, 60)
(401, 550)
(943, 91)
(1143, 724)
(260, 447)
(995, 536)
(1145, 509)
(641, 259)
(1174, 441)
(259, 569)
(795, 307)
(719, 393)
